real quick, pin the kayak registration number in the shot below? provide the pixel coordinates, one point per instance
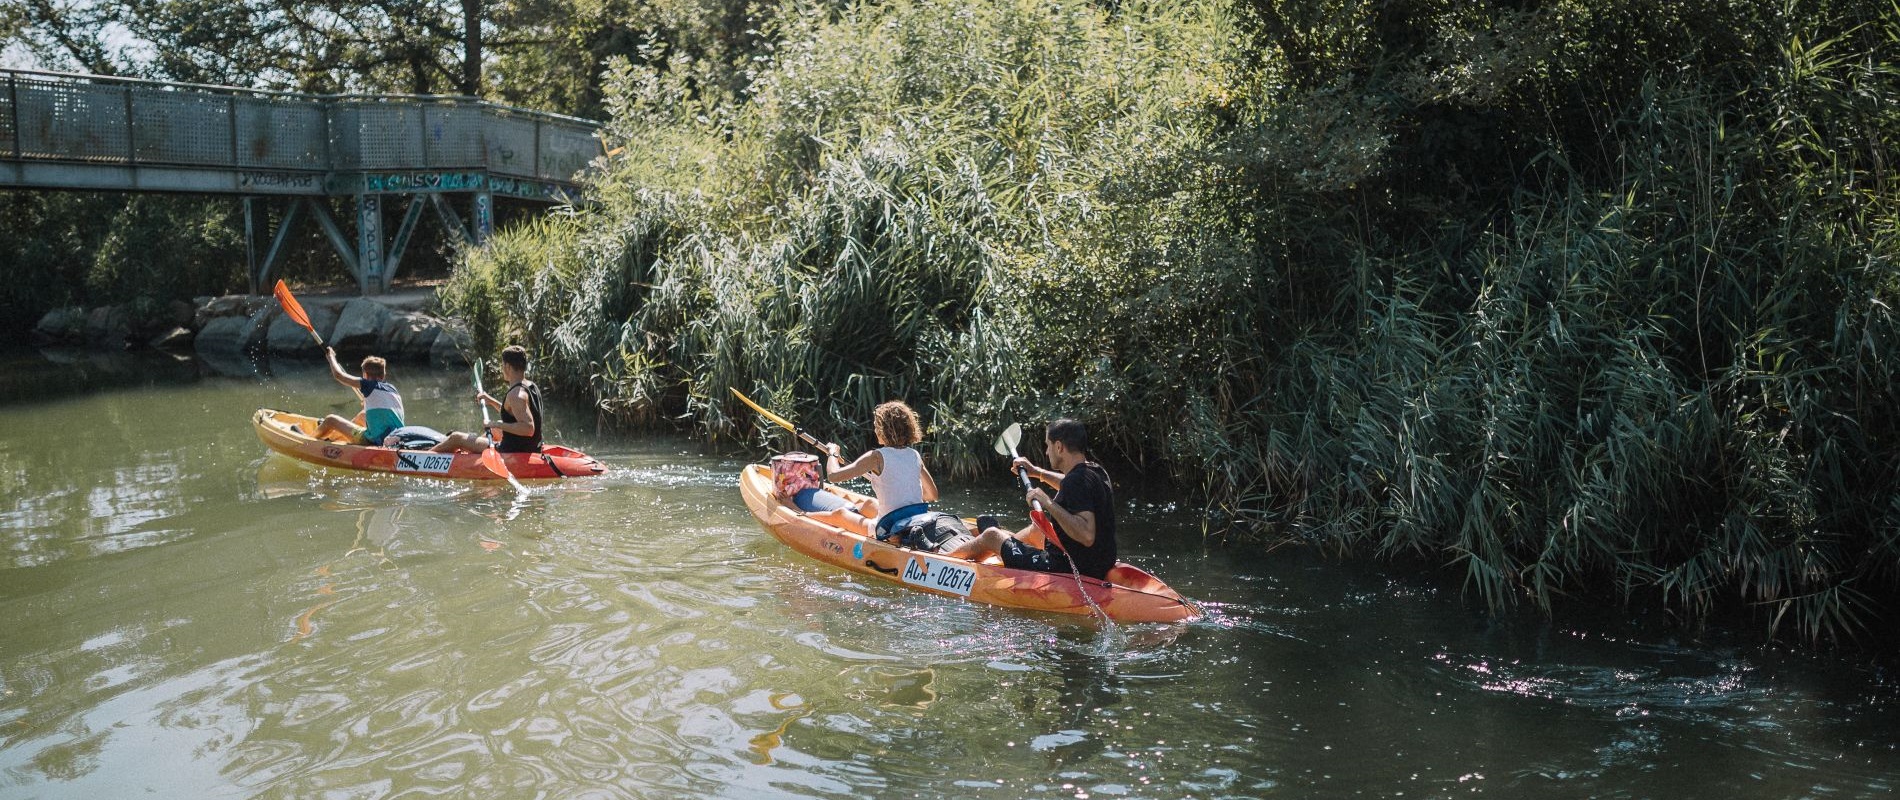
(434, 463)
(943, 576)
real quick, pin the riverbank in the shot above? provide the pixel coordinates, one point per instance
(401, 326)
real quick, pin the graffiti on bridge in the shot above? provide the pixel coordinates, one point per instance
(276, 180)
(425, 182)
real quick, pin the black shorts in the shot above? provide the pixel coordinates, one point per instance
(1017, 555)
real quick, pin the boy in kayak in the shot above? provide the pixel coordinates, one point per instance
(520, 425)
(382, 405)
(1083, 511)
(898, 477)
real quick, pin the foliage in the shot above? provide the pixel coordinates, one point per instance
(1574, 296)
(89, 249)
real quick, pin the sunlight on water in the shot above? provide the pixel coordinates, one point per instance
(187, 616)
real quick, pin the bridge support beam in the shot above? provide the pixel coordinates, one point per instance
(369, 244)
(260, 271)
(401, 242)
(484, 217)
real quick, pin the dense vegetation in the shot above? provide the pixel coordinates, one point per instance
(1575, 296)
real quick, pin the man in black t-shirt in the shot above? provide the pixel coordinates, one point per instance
(1082, 511)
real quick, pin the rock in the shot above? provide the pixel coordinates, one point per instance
(108, 326)
(179, 313)
(61, 325)
(361, 326)
(451, 347)
(178, 338)
(222, 335)
(231, 305)
(411, 336)
(257, 330)
(286, 337)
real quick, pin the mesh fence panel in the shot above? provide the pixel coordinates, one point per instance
(73, 121)
(388, 136)
(281, 134)
(566, 149)
(510, 143)
(7, 112)
(181, 127)
(453, 132)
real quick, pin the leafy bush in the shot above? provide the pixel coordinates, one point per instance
(1575, 296)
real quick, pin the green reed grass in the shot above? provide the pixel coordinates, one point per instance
(1587, 299)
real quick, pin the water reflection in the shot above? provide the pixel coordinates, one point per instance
(171, 595)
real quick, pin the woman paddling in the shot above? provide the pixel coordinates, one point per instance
(898, 477)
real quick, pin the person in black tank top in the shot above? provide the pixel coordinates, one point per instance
(520, 426)
(514, 442)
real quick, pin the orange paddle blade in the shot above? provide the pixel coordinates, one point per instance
(292, 307)
(492, 460)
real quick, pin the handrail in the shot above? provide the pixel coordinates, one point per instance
(57, 117)
(242, 90)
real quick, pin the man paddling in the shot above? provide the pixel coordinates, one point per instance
(520, 425)
(1082, 511)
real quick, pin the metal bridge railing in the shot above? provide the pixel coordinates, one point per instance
(62, 117)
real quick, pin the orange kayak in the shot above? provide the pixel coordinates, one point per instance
(1129, 594)
(294, 435)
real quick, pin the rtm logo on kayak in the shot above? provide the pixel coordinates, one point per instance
(945, 577)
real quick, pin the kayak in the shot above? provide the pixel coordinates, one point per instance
(295, 435)
(1129, 594)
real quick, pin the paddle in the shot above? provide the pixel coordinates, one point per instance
(1006, 446)
(491, 458)
(295, 311)
(778, 420)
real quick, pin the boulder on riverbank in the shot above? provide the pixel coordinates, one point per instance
(398, 327)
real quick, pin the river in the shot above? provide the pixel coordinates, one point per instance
(184, 615)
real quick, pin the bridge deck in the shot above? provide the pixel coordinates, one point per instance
(86, 132)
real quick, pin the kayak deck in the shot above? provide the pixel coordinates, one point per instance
(295, 435)
(1129, 594)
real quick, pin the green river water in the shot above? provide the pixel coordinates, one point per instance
(184, 615)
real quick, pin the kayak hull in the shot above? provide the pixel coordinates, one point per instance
(1129, 594)
(294, 435)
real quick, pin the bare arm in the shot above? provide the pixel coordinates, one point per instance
(338, 374)
(517, 404)
(929, 485)
(1080, 527)
(1048, 476)
(871, 461)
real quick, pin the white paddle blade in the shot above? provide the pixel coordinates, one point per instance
(1011, 436)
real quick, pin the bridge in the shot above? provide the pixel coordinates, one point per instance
(73, 132)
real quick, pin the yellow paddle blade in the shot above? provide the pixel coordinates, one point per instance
(776, 419)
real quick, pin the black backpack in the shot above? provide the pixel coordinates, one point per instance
(929, 531)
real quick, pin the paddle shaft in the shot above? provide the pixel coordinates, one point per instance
(780, 421)
(491, 458)
(1040, 517)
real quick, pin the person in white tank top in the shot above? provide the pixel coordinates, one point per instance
(898, 477)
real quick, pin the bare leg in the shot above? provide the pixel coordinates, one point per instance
(845, 518)
(335, 424)
(987, 543)
(459, 442)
